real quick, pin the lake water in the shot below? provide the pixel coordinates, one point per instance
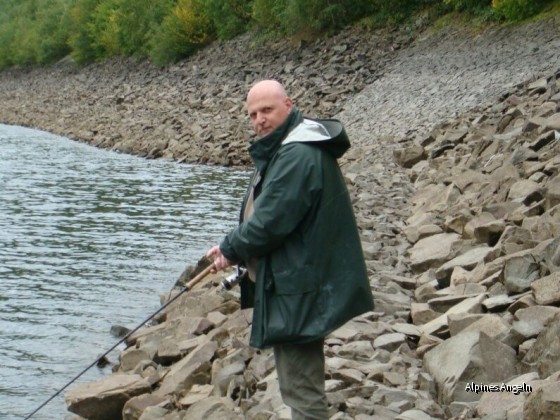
(89, 239)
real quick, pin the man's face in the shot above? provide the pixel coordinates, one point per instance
(267, 109)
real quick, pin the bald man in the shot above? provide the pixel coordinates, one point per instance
(299, 243)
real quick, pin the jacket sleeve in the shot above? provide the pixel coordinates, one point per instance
(291, 188)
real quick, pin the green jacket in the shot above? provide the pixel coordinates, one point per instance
(311, 274)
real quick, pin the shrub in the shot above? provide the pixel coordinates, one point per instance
(104, 29)
(182, 32)
(397, 11)
(138, 21)
(53, 27)
(229, 17)
(25, 42)
(516, 10)
(81, 40)
(309, 17)
(469, 5)
(268, 14)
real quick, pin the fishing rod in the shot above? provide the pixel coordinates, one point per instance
(187, 287)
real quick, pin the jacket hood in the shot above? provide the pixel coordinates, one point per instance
(327, 134)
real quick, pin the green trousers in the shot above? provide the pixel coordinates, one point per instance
(301, 374)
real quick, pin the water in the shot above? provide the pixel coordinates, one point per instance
(90, 239)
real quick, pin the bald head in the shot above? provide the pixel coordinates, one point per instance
(267, 87)
(268, 106)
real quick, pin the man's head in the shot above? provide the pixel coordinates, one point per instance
(268, 106)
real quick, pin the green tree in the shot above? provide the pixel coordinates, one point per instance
(25, 40)
(515, 10)
(81, 39)
(229, 17)
(104, 29)
(181, 32)
(469, 5)
(53, 27)
(309, 17)
(267, 14)
(138, 21)
(7, 32)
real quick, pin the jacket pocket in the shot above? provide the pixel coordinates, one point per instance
(293, 318)
(295, 281)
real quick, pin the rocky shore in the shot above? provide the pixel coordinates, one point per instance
(454, 178)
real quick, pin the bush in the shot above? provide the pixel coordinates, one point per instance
(103, 28)
(81, 40)
(516, 10)
(138, 21)
(24, 46)
(53, 27)
(268, 14)
(182, 32)
(397, 11)
(229, 17)
(469, 5)
(309, 17)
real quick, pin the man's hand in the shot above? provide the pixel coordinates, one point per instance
(220, 262)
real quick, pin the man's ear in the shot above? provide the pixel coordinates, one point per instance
(289, 102)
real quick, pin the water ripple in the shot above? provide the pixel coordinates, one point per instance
(89, 239)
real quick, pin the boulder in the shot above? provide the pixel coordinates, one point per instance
(544, 403)
(466, 359)
(105, 398)
(433, 251)
(544, 355)
(510, 402)
(546, 290)
(192, 369)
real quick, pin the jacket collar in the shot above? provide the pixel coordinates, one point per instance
(265, 148)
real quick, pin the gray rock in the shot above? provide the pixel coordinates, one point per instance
(213, 408)
(192, 369)
(543, 403)
(509, 402)
(520, 272)
(105, 398)
(546, 290)
(433, 251)
(544, 355)
(389, 342)
(135, 407)
(469, 357)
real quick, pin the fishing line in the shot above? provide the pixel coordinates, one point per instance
(188, 287)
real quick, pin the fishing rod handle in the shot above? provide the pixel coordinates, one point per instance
(200, 276)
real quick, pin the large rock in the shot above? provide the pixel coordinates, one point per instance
(213, 408)
(547, 289)
(520, 272)
(192, 369)
(544, 403)
(467, 358)
(439, 325)
(544, 355)
(433, 251)
(135, 407)
(467, 260)
(510, 402)
(105, 399)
